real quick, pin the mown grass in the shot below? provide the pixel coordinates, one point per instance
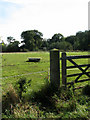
(59, 104)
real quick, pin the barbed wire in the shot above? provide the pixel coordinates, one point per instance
(23, 74)
(32, 73)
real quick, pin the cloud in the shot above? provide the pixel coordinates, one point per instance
(47, 16)
(16, 1)
(6, 10)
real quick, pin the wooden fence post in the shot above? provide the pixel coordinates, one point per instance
(64, 78)
(55, 68)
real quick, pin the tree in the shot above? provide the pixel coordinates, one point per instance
(83, 39)
(80, 41)
(63, 45)
(56, 38)
(76, 45)
(45, 45)
(32, 39)
(71, 39)
(13, 47)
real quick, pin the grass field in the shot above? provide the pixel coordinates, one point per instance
(15, 67)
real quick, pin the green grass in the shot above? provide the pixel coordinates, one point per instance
(15, 67)
(15, 64)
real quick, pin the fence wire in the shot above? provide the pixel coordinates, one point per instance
(23, 74)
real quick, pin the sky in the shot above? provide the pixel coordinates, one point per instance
(47, 16)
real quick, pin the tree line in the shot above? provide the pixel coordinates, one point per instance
(32, 40)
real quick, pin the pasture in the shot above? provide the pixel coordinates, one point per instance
(15, 67)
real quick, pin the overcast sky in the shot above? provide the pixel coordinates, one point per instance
(47, 16)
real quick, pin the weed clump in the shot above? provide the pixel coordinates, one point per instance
(9, 99)
(22, 86)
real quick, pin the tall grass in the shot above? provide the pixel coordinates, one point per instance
(48, 103)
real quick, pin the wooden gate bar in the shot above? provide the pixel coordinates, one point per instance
(80, 67)
(82, 74)
(69, 67)
(77, 74)
(71, 83)
(64, 78)
(83, 80)
(75, 64)
(78, 57)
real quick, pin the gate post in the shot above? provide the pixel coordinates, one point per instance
(64, 77)
(55, 68)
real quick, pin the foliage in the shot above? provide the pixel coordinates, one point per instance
(13, 47)
(22, 86)
(48, 103)
(61, 45)
(56, 38)
(44, 45)
(32, 39)
(80, 41)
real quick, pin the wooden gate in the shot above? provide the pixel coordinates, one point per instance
(64, 60)
(55, 68)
